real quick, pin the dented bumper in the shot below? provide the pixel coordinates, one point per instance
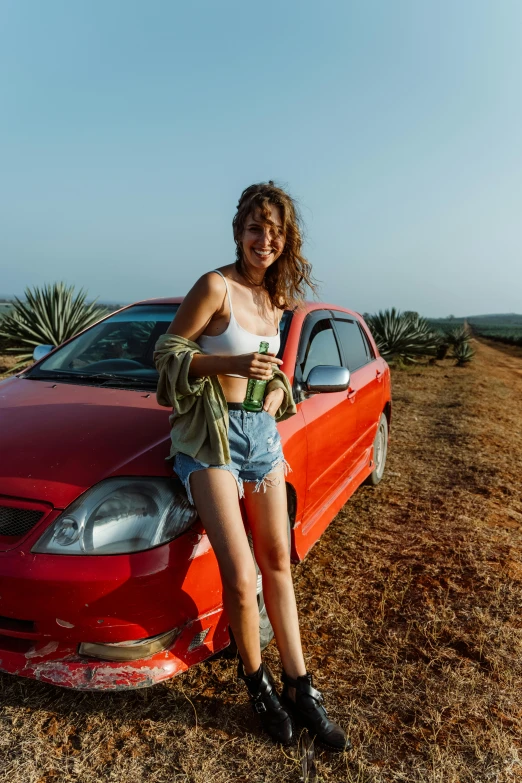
(50, 604)
(59, 664)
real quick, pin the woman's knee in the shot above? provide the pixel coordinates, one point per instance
(275, 560)
(241, 583)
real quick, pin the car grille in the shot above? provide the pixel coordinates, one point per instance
(11, 624)
(17, 521)
(14, 645)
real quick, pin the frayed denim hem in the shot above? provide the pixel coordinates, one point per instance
(204, 466)
(265, 481)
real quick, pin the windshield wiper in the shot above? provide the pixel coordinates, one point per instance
(103, 377)
(127, 380)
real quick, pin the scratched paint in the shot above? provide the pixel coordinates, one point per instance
(42, 651)
(104, 677)
(64, 623)
(60, 664)
(201, 546)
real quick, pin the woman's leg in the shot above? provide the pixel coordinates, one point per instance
(267, 514)
(216, 498)
(215, 494)
(268, 518)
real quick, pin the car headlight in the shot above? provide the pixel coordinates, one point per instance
(118, 516)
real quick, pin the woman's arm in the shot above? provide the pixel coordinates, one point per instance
(194, 314)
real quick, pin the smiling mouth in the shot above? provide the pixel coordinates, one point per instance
(263, 253)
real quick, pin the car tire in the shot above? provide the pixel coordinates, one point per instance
(266, 632)
(379, 452)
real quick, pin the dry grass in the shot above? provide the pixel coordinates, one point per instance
(6, 365)
(410, 608)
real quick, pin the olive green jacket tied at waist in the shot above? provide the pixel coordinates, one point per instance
(199, 420)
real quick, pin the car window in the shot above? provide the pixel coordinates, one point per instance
(354, 345)
(369, 347)
(321, 348)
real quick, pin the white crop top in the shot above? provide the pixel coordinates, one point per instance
(235, 340)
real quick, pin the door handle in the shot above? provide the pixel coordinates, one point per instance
(351, 394)
(378, 374)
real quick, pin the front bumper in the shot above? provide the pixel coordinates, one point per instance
(59, 663)
(50, 604)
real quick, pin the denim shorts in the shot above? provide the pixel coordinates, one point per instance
(255, 451)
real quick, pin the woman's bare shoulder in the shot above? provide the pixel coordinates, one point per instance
(210, 283)
(226, 270)
(204, 299)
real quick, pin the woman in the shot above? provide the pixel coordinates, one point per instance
(223, 453)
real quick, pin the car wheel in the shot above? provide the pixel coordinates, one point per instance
(380, 450)
(266, 632)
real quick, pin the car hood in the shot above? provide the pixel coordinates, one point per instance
(58, 439)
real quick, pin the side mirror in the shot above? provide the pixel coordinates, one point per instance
(42, 350)
(326, 378)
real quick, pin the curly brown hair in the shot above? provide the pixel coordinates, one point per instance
(287, 278)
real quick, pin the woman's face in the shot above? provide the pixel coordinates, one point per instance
(263, 241)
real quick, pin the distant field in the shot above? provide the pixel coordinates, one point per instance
(512, 334)
(505, 328)
(498, 327)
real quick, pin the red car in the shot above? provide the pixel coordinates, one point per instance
(107, 579)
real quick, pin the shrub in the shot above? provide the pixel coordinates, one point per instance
(48, 316)
(463, 353)
(404, 336)
(459, 336)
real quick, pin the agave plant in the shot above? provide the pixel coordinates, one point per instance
(48, 316)
(463, 353)
(458, 336)
(402, 335)
(443, 345)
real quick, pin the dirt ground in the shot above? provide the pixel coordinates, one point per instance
(411, 618)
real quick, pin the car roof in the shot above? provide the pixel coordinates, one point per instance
(308, 307)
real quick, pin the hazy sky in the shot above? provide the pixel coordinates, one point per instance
(129, 128)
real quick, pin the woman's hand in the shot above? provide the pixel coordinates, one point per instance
(273, 401)
(254, 365)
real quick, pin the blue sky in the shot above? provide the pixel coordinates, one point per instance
(128, 130)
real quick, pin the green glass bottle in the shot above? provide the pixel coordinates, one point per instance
(255, 393)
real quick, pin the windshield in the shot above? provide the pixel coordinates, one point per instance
(119, 350)
(121, 346)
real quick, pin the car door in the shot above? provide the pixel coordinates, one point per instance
(330, 417)
(366, 377)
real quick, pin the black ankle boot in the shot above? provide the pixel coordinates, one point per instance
(305, 703)
(265, 703)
